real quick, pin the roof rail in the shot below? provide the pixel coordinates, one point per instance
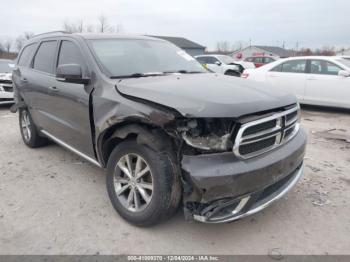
(52, 32)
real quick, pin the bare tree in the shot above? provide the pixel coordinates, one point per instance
(22, 39)
(223, 46)
(103, 25)
(8, 45)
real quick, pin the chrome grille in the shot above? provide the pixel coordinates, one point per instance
(262, 135)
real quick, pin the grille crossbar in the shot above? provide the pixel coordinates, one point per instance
(250, 144)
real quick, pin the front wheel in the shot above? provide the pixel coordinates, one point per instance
(142, 184)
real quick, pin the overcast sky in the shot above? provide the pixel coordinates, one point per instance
(312, 23)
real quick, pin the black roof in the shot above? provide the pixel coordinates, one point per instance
(180, 42)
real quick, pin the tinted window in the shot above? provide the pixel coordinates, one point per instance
(26, 55)
(268, 60)
(322, 67)
(44, 58)
(258, 60)
(294, 66)
(202, 60)
(211, 60)
(70, 54)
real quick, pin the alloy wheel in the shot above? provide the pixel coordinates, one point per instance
(26, 125)
(133, 182)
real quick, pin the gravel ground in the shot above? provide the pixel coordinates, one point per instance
(52, 202)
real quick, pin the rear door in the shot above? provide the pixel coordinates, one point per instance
(68, 103)
(325, 87)
(38, 81)
(289, 76)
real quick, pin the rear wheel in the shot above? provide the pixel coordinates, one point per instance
(29, 132)
(142, 184)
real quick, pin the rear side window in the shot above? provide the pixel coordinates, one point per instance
(70, 54)
(45, 56)
(26, 55)
(211, 60)
(293, 66)
(322, 67)
(202, 60)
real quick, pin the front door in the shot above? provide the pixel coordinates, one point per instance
(67, 104)
(325, 87)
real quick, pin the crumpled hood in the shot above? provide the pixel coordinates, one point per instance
(206, 95)
(5, 76)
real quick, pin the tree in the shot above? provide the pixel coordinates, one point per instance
(22, 39)
(103, 25)
(8, 45)
(223, 46)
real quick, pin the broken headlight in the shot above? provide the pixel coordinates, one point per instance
(210, 134)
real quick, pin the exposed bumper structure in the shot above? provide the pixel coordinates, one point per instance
(222, 188)
(251, 204)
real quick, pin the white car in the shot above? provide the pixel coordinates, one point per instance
(224, 64)
(6, 89)
(315, 80)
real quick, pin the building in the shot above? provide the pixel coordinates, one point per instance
(259, 50)
(190, 47)
(345, 52)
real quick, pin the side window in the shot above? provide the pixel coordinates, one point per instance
(70, 54)
(322, 67)
(202, 60)
(277, 68)
(294, 66)
(26, 55)
(268, 60)
(258, 60)
(212, 60)
(45, 56)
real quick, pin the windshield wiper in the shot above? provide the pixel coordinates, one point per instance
(183, 72)
(136, 75)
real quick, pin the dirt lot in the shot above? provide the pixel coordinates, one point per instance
(52, 202)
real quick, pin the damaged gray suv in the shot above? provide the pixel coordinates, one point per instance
(168, 132)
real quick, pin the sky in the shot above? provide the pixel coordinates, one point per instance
(310, 23)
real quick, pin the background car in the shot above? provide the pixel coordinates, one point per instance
(315, 80)
(224, 64)
(260, 60)
(6, 89)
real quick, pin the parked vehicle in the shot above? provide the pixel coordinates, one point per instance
(163, 127)
(6, 89)
(260, 60)
(315, 80)
(224, 64)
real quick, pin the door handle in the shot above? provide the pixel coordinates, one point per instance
(311, 78)
(54, 88)
(23, 79)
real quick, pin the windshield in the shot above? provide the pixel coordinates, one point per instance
(136, 58)
(226, 59)
(6, 66)
(345, 61)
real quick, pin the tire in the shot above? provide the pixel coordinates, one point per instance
(29, 131)
(163, 199)
(232, 73)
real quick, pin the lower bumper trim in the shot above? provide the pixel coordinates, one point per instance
(237, 213)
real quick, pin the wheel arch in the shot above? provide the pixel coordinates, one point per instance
(144, 133)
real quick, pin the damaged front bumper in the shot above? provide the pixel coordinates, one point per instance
(222, 188)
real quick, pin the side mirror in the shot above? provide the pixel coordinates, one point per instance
(71, 73)
(344, 73)
(218, 63)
